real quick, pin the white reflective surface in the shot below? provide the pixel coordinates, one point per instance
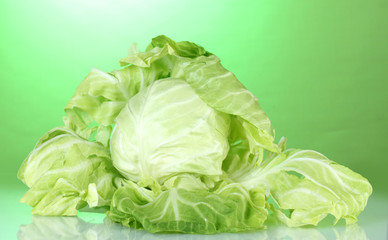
(372, 225)
(75, 228)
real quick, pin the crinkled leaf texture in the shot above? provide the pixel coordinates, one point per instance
(173, 142)
(310, 186)
(227, 208)
(66, 172)
(101, 96)
(160, 133)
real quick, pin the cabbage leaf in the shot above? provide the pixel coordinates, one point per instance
(310, 186)
(227, 208)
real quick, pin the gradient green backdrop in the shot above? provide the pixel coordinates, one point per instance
(319, 68)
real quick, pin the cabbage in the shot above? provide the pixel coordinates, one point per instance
(173, 142)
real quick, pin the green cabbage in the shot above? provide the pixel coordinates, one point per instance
(173, 142)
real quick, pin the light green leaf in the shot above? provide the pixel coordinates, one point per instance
(160, 47)
(229, 208)
(66, 172)
(310, 186)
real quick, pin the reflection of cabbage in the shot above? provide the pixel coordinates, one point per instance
(173, 142)
(74, 228)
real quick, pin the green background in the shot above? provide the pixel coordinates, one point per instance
(319, 68)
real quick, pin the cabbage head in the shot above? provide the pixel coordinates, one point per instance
(173, 142)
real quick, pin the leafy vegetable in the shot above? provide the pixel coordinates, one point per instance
(173, 142)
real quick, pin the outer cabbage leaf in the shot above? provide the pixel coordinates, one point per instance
(220, 89)
(166, 129)
(310, 186)
(161, 47)
(229, 208)
(65, 172)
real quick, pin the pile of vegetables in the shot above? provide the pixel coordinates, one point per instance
(173, 142)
